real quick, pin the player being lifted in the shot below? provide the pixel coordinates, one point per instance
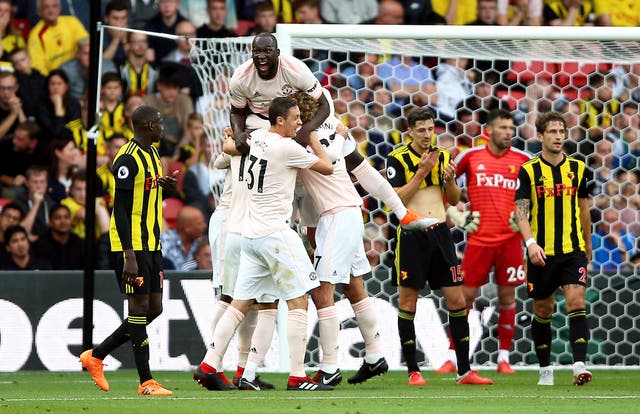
(552, 212)
(422, 175)
(491, 175)
(267, 75)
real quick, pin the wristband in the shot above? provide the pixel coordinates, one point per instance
(529, 242)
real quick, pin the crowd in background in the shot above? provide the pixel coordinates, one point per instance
(44, 70)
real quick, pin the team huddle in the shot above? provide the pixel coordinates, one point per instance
(285, 147)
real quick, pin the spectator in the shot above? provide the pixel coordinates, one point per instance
(75, 202)
(389, 12)
(18, 248)
(131, 104)
(265, 20)
(613, 245)
(31, 82)
(599, 106)
(217, 11)
(138, 74)
(195, 186)
(180, 60)
(419, 12)
(117, 15)
(568, 13)
(10, 36)
(521, 12)
(60, 114)
(141, 12)
(627, 150)
(408, 80)
(174, 107)
(77, 70)
(10, 215)
(64, 163)
(107, 185)
(64, 249)
(627, 117)
(112, 108)
(16, 155)
(165, 21)
(487, 14)
(201, 257)
(602, 162)
(484, 99)
(11, 113)
(308, 12)
(35, 202)
(576, 143)
(348, 11)
(616, 13)
(180, 244)
(453, 86)
(54, 39)
(456, 12)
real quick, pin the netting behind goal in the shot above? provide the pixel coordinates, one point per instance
(375, 82)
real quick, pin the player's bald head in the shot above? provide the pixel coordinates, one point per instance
(265, 39)
(144, 114)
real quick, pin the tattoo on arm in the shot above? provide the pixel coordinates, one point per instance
(522, 209)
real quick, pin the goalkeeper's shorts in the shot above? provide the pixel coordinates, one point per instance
(507, 257)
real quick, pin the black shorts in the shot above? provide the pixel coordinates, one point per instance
(426, 256)
(150, 269)
(564, 269)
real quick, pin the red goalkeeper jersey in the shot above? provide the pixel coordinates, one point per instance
(491, 182)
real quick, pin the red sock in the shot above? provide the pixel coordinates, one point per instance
(293, 381)
(239, 371)
(506, 322)
(206, 368)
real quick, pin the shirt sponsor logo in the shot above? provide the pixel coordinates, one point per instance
(557, 190)
(496, 180)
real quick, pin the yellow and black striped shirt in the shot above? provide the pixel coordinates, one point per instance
(137, 209)
(111, 122)
(554, 211)
(402, 164)
(556, 9)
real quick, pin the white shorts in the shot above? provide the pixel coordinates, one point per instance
(217, 238)
(274, 267)
(231, 263)
(340, 251)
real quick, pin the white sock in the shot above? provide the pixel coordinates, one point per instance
(368, 324)
(222, 335)
(245, 332)
(329, 328)
(372, 181)
(503, 355)
(297, 337)
(260, 342)
(220, 308)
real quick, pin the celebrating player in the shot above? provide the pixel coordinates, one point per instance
(552, 212)
(422, 175)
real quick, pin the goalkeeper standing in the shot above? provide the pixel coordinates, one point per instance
(422, 175)
(491, 173)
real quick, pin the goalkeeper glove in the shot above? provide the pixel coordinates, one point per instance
(513, 223)
(467, 220)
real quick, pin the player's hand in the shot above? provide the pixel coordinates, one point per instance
(466, 220)
(536, 254)
(169, 182)
(450, 172)
(512, 222)
(428, 160)
(342, 130)
(130, 269)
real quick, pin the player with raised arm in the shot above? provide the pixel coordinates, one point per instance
(552, 213)
(491, 176)
(273, 261)
(423, 175)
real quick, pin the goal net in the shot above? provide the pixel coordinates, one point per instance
(376, 74)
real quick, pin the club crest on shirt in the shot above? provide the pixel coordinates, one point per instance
(287, 89)
(313, 276)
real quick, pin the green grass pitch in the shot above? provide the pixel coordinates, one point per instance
(611, 391)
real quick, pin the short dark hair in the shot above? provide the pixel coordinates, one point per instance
(116, 5)
(280, 106)
(12, 206)
(32, 128)
(11, 230)
(419, 114)
(543, 119)
(496, 114)
(57, 207)
(110, 77)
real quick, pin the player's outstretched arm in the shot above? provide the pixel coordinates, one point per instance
(238, 119)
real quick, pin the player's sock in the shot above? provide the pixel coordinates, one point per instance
(218, 311)
(368, 324)
(260, 342)
(245, 332)
(541, 332)
(222, 336)
(297, 337)
(459, 326)
(407, 332)
(137, 326)
(578, 334)
(329, 328)
(506, 325)
(118, 337)
(372, 181)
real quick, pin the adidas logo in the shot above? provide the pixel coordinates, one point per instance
(309, 386)
(481, 167)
